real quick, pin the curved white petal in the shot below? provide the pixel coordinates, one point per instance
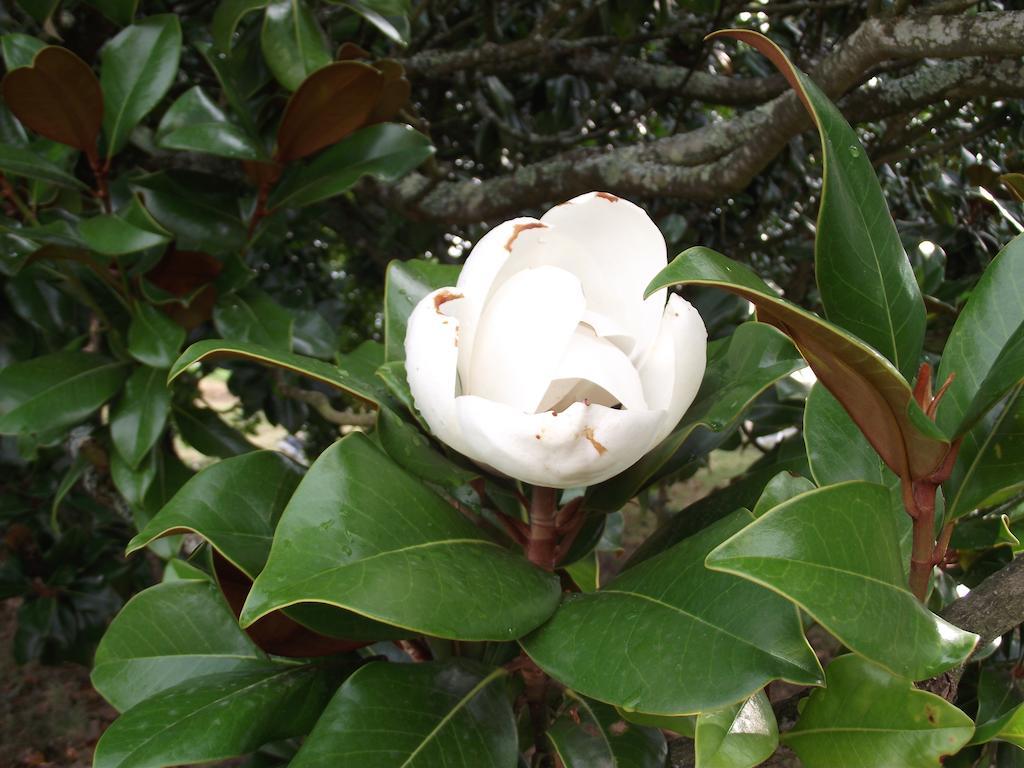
(522, 336)
(623, 251)
(582, 445)
(474, 283)
(600, 362)
(674, 367)
(431, 360)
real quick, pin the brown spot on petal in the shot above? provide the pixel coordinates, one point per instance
(588, 432)
(537, 436)
(443, 297)
(607, 196)
(518, 228)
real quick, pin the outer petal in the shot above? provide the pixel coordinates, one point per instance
(623, 250)
(600, 362)
(431, 361)
(522, 335)
(582, 445)
(674, 367)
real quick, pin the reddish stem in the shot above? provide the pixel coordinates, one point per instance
(540, 550)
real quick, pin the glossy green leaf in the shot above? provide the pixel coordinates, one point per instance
(238, 525)
(990, 465)
(214, 349)
(153, 338)
(137, 67)
(253, 317)
(192, 207)
(139, 417)
(386, 151)
(838, 452)
(121, 12)
(984, 533)
(404, 557)
(294, 45)
(866, 718)
(55, 391)
(215, 717)
(1008, 727)
(991, 323)
(388, 17)
(405, 284)
(194, 123)
(133, 482)
(205, 431)
(593, 735)
(166, 635)
(864, 277)
(742, 735)
(412, 451)
(418, 716)
(113, 235)
(727, 637)
(739, 369)
(684, 725)
(19, 49)
(227, 17)
(1000, 706)
(877, 397)
(19, 161)
(835, 553)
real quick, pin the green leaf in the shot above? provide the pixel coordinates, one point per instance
(215, 717)
(194, 123)
(293, 43)
(838, 452)
(19, 49)
(985, 350)
(112, 235)
(132, 483)
(388, 17)
(190, 206)
(166, 635)
(990, 465)
(742, 735)
(386, 151)
(40, 10)
(728, 637)
(835, 553)
(417, 716)
(404, 557)
(1000, 706)
(251, 316)
(214, 349)
(121, 12)
(407, 282)
(137, 68)
(226, 18)
(866, 283)
(55, 391)
(238, 525)
(205, 431)
(153, 338)
(877, 397)
(865, 718)
(684, 725)
(18, 161)
(593, 735)
(739, 369)
(414, 453)
(138, 419)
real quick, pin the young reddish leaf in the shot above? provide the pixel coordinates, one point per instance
(189, 276)
(58, 97)
(329, 105)
(394, 92)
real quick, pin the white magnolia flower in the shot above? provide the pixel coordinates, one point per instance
(545, 362)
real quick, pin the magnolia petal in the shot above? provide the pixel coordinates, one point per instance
(623, 250)
(607, 328)
(431, 360)
(522, 336)
(474, 283)
(602, 363)
(580, 446)
(674, 367)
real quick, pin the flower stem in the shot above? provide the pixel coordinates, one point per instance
(542, 545)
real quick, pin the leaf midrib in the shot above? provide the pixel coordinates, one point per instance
(131, 92)
(62, 383)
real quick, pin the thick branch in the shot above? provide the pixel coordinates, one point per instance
(719, 159)
(994, 607)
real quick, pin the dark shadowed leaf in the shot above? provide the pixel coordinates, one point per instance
(20, 161)
(121, 12)
(874, 393)
(593, 735)
(190, 206)
(416, 715)
(866, 718)
(388, 16)
(139, 417)
(728, 638)
(835, 553)
(226, 18)
(208, 433)
(58, 97)
(153, 338)
(405, 558)
(294, 45)
(195, 123)
(251, 316)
